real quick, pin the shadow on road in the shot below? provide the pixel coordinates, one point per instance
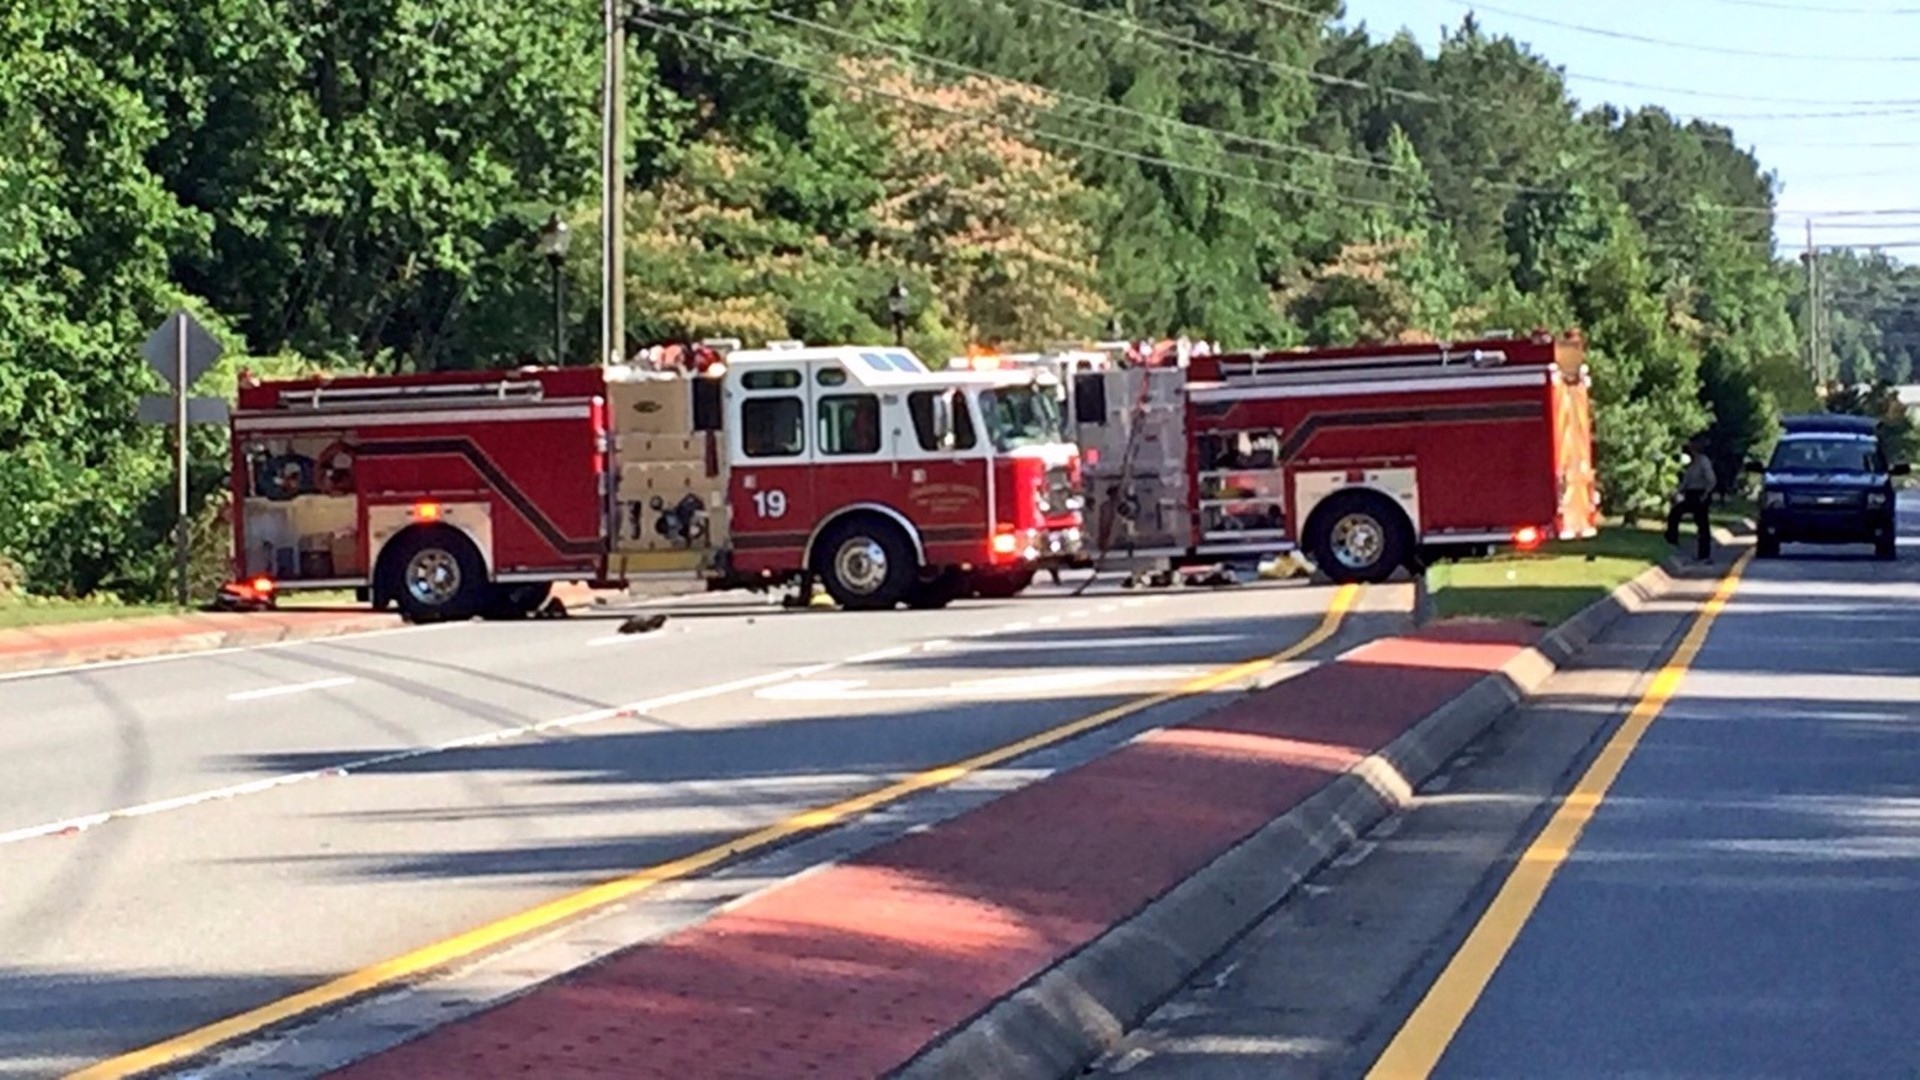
(54, 1020)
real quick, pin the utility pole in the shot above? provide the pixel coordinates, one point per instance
(613, 188)
(1812, 259)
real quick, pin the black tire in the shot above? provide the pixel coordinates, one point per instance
(1002, 586)
(1886, 549)
(1358, 537)
(517, 601)
(866, 565)
(1767, 547)
(435, 575)
(935, 594)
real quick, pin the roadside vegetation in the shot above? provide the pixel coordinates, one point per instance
(360, 187)
(28, 611)
(1552, 584)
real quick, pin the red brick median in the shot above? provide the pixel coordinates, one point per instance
(850, 972)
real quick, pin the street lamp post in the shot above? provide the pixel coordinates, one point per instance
(554, 240)
(897, 307)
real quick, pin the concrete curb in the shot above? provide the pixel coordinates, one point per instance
(1079, 1009)
(212, 640)
(188, 643)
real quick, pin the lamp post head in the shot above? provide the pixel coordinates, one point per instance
(555, 238)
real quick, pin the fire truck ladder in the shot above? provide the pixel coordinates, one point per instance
(401, 398)
(1270, 368)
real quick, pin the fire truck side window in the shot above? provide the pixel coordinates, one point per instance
(850, 424)
(777, 379)
(773, 427)
(920, 403)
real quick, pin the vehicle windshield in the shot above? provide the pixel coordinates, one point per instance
(1018, 416)
(1827, 455)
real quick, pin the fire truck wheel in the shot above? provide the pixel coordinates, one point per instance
(1358, 537)
(937, 593)
(867, 565)
(517, 601)
(438, 577)
(1002, 586)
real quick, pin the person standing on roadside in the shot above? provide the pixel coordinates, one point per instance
(1695, 499)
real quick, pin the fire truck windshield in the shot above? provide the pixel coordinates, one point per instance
(1018, 416)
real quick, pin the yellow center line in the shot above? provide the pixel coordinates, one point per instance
(1417, 1048)
(465, 945)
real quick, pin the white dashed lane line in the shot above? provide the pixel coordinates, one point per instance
(291, 688)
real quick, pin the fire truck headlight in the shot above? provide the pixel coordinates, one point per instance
(1005, 544)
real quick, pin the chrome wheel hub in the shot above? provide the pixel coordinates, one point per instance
(861, 565)
(433, 577)
(1358, 541)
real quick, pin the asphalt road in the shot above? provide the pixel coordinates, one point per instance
(185, 839)
(1741, 904)
(1744, 903)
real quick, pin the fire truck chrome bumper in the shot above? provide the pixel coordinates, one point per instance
(1054, 544)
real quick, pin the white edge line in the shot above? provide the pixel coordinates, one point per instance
(635, 710)
(617, 639)
(893, 653)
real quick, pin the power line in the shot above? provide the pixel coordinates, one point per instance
(1181, 41)
(1628, 84)
(1195, 44)
(1808, 9)
(1718, 50)
(913, 55)
(1819, 114)
(1022, 129)
(904, 52)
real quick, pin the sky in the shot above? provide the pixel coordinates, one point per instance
(1856, 58)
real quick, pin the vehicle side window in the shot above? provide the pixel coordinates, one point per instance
(773, 427)
(774, 379)
(850, 424)
(920, 405)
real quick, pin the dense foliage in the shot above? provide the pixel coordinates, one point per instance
(357, 183)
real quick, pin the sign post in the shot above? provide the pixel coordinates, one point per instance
(180, 351)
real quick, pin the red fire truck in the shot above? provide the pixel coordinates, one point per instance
(1366, 459)
(462, 494)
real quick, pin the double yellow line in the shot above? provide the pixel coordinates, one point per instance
(473, 942)
(1416, 1050)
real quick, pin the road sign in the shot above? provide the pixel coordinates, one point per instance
(181, 350)
(200, 410)
(180, 338)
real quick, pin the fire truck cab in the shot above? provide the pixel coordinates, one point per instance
(892, 482)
